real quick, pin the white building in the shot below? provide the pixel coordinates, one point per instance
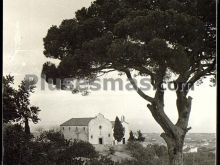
(96, 130)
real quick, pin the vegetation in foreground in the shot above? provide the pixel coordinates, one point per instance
(50, 148)
(154, 154)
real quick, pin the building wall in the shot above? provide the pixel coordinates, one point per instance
(127, 131)
(100, 127)
(75, 132)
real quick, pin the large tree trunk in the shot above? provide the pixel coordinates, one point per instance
(26, 127)
(175, 156)
(174, 134)
(175, 148)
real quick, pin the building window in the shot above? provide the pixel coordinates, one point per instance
(109, 135)
(91, 136)
(63, 128)
(100, 127)
(69, 128)
(84, 128)
(100, 141)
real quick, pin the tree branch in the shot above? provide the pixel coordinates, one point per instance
(200, 74)
(185, 76)
(148, 72)
(104, 72)
(162, 119)
(138, 90)
(184, 108)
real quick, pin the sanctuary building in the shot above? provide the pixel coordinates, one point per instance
(96, 130)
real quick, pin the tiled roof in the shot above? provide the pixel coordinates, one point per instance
(77, 122)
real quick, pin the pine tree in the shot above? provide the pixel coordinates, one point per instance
(153, 38)
(118, 130)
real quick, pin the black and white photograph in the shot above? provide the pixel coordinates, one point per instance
(109, 82)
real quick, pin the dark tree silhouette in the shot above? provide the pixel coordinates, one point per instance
(10, 111)
(16, 145)
(154, 38)
(118, 131)
(16, 103)
(140, 137)
(25, 110)
(131, 137)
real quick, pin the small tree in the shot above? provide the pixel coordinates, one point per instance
(131, 137)
(118, 130)
(16, 103)
(25, 110)
(140, 137)
(10, 112)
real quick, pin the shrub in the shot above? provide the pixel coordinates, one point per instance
(131, 137)
(102, 160)
(144, 155)
(50, 148)
(112, 150)
(140, 137)
(16, 145)
(53, 137)
(81, 149)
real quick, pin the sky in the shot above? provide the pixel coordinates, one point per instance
(25, 24)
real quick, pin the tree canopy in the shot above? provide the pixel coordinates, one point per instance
(9, 103)
(16, 102)
(152, 37)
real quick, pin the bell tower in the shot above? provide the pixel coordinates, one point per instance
(122, 118)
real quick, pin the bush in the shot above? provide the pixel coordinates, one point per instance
(103, 160)
(50, 148)
(140, 137)
(16, 145)
(53, 137)
(81, 149)
(62, 151)
(131, 137)
(112, 150)
(149, 155)
(204, 158)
